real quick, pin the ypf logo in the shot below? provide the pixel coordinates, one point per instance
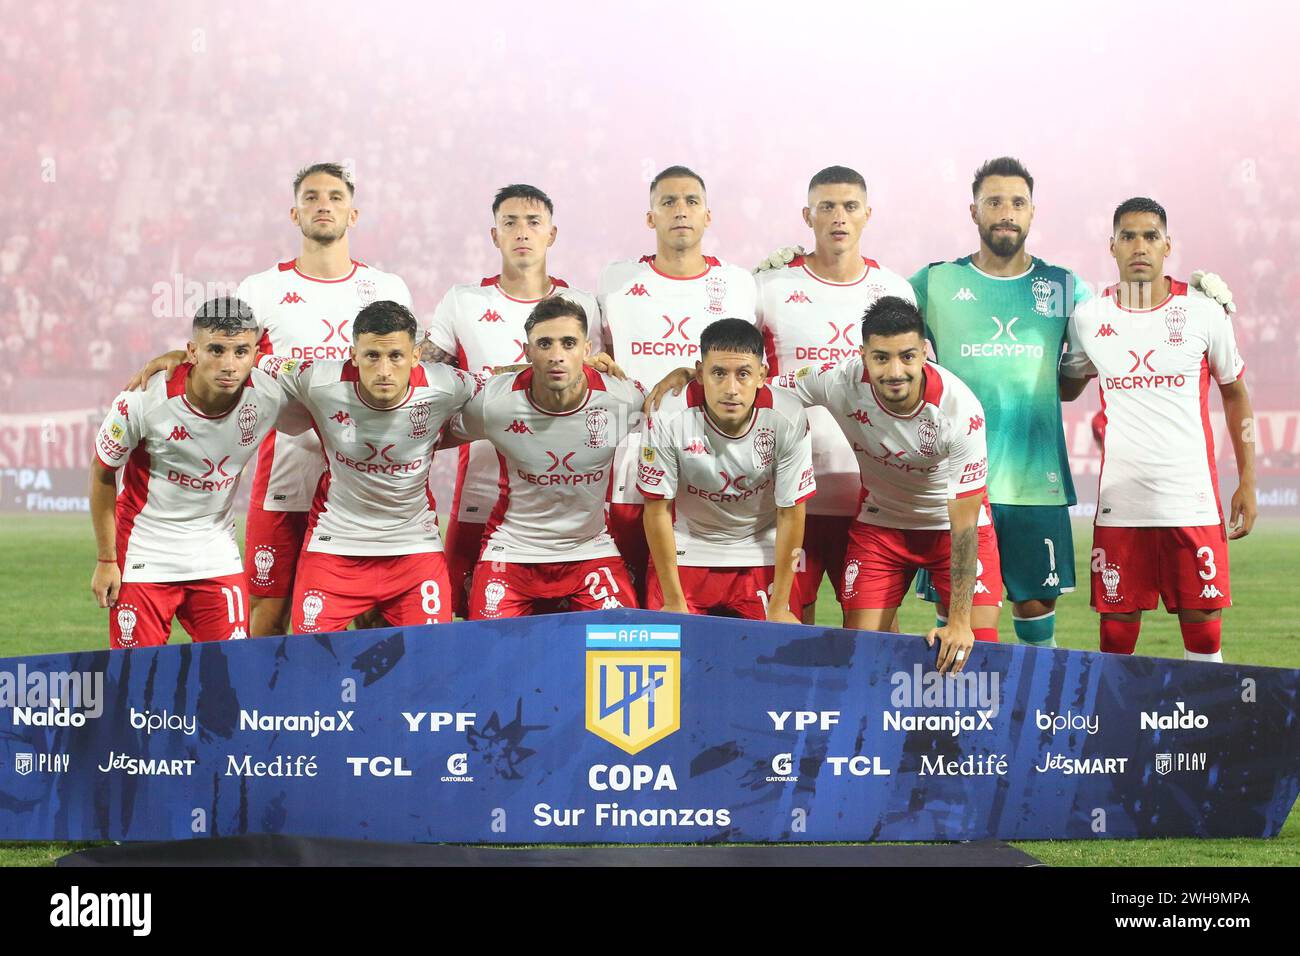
(633, 683)
(247, 422)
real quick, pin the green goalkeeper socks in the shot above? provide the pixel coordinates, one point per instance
(1038, 631)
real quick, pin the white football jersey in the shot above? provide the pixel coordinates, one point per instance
(652, 324)
(726, 490)
(306, 318)
(175, 494)
(374, 498)
(483, 327)
(911, 466)
(809, 320)
(553, 469)
(1154, 367)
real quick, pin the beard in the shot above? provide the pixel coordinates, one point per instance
(325, 233)
(1004, 247)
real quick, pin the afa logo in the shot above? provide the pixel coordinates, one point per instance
(633, 683)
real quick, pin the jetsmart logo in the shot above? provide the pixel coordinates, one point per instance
(75, 908)
(1184, 719)
(33, 691)
(963, 694)
(313, 724)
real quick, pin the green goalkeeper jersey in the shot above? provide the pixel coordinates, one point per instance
(1003, 338)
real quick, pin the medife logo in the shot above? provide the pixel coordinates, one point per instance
(49, 699)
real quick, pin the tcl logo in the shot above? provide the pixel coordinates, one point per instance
(378, 767)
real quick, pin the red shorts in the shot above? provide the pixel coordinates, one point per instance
(332, 589)
(462, 546)
(272, 542)
(628, 531)
(881, 562)
(741, 591)
(214, 609)
(502, 589)
(1132, 568)
(825, 539)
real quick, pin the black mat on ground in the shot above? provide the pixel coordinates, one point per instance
(299, 851)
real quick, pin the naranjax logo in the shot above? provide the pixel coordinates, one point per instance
(30, 692)
(916, 689)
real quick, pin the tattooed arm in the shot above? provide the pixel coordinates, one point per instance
(957, 636)
(431, 353)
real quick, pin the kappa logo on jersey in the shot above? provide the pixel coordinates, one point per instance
(1211, 591)
(490, 315)
(1175, 319)
(122, 409)
(964, 295)
(557, 461)
(696, 446)
(861, 416)
(179, 433)
(637, 289)
(928, 433)
(715, 287)
(292, 298)
(342, 417)
(976, 423)
(1105, 332)
(333, 330)
(798, 296)
(247, 422)
(980, 587)
(519, 427)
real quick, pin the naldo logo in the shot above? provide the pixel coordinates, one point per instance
(783, 769)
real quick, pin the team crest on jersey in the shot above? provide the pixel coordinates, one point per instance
(928, 434)
(715, 287)
(313, 602)
(765, 446)
(850, 577)
(263, 561)
(1175, 319)
(1042, 292)
(127, 619)
(633, 684)
(1110, 581)
(597, 428)
(366, 291)
(875, 290)
(247, 422)
(419, 420)
(493, 594)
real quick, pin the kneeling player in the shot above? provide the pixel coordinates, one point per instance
(167, 540)
(555, 426)
(735, 458)
(1159, 529)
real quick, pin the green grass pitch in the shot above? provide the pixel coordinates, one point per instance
(46, 563)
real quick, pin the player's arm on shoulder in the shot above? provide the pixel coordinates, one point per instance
(812, 385)
(1075, 369)
(1240, 415)
(1213, 285)
(673, 382)
(167, 362)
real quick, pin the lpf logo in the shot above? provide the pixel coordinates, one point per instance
(633, 684)
(715, 287)
(1164, 763)
(765, 446)
(597, 428)
(127, 619)
(263, 561)
(1175, 319)
(419, 420)
(366, 291)
(927, 433)
(313, 602)
(23, 764)
(1042, 292)
(247, 422)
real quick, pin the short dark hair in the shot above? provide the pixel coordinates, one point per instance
(226, 315)
(731, 335)
(1002, 166)
(555, 307)
(836, 176)
(383, 318)
(330, 169)
(1140, 204)
(522, 191)
(678, 172)
(891, 315)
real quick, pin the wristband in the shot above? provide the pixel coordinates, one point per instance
(107, 560)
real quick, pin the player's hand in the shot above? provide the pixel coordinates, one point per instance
(779, 259)
(1245, 509)
(781, 615)
(106, 583)
(1213, 285)
(674, 382)
(508, 369)
(604, 362)
(955, 643)
(163, 363)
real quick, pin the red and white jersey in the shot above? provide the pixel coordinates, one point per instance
(1154, 367)
(175, 494)
(911, 466)
(374, 499)
(553, 468)
(652, 324)
(483, 327)
(808, 320)
(306, 318)
(726, 489)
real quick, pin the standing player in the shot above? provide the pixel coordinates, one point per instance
(166, 541)
(808, 311)
(732, 548)
(653, 310)
(306, 307)
(555, 426)
(1159, 529)
(372, 538)
(479, 326)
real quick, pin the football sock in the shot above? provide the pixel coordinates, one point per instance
(1119, 637)
(1201, 640)
(1039, 631)
(989, 634)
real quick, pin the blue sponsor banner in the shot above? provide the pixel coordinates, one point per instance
(635, 726)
